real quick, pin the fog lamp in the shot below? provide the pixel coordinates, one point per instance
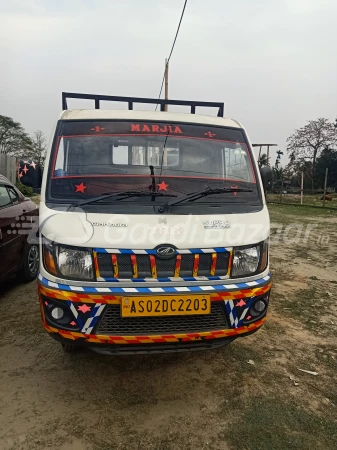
(57, 313)
(257, 308)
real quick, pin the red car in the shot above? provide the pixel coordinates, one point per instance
(18, 218)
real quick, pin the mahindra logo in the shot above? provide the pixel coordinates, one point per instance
(165, 251)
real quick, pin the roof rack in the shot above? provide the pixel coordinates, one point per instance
(132, 100)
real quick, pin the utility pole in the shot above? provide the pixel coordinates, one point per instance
(302, 183)
(166, 107)
(268, 155)
(166, 81)
(325, 183)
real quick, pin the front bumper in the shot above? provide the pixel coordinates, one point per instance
(86, 308)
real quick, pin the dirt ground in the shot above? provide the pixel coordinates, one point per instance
(205, 400)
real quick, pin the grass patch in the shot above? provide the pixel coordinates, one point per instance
(21, 315)
(273, 326)
(301, 251)
(237, 351)
(308, 306)
(299, 210)
(327, 355)
(278, 270)
(268, 423)
(287, 214)
(301, 305)
(144, 441)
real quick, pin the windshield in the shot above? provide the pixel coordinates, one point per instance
(94, 158)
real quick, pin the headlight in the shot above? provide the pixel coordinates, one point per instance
(69, 262)
(74, 263)
(250, 260)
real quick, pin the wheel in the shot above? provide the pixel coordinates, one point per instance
(70, 348)
(30, 265)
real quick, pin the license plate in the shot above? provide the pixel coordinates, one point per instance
(169, 305)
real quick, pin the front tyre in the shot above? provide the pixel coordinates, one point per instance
(31, 261)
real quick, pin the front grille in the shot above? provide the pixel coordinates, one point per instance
(105, 265)
(113, 324)
(205, 263)
(124, 266)
(222, 264)
(186, 269)
(165, 268)
(144, 267)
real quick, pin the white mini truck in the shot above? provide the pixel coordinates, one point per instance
(153, 230)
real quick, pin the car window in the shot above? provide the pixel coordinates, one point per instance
(13, 194)
(4, 197)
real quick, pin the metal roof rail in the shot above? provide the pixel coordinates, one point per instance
(131, 100)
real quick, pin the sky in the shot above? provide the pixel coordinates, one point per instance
(272, 62)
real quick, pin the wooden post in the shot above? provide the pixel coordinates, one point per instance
(325, 183)
(166, 82)
(302, 178)
(281, 189)
(259, 154)
(268, 155)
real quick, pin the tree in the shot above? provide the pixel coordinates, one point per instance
(278, 176)
(263, 161)
(327, 159)
(308, 142)
(293, 172)
(13, 138)
(278, 172)
(278, 158)
(38, 151)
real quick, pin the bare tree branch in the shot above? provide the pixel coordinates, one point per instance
(38, 151)
(309, 141)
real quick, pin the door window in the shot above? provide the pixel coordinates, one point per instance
(13, 194)
(4, 197)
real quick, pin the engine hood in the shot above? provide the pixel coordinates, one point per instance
(96, 230)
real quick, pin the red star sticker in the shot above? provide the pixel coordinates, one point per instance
(46, 303)
(209, 134)
(241, 303)
(97, 129)
(84, 308)
(20, 174)
(80, 187)
(25, 169)
(163, 186)
(72, 323)
(33, 164)
(234, 187)
(248, 317)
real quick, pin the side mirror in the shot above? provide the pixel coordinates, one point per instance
(30, 174)
(266, 175)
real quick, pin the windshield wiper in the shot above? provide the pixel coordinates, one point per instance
(122, 194)
(196, 195)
